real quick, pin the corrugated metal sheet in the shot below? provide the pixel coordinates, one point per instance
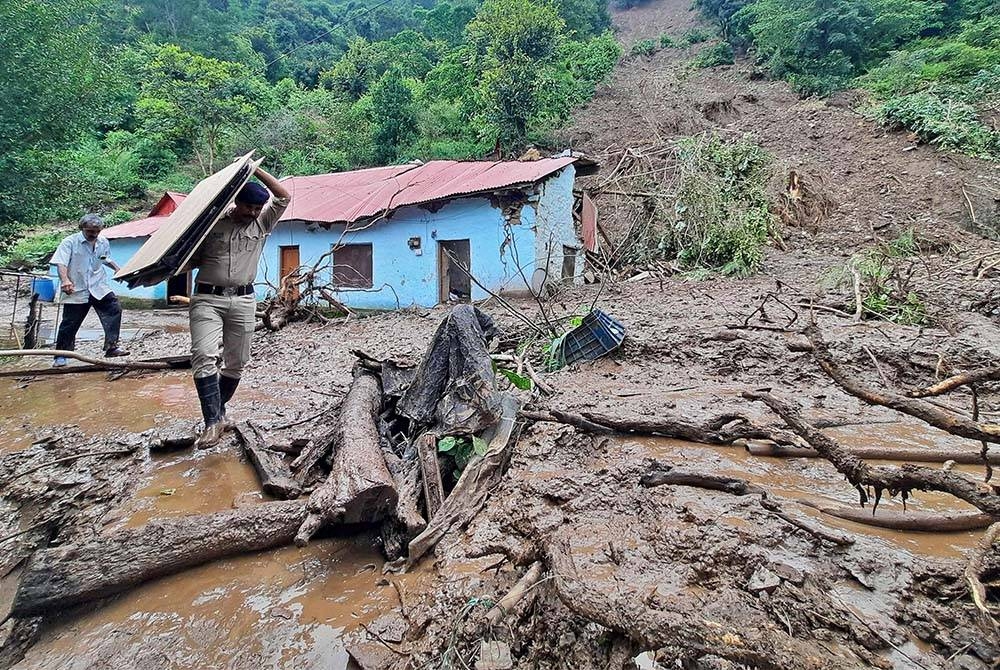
(351, 196)
(146, 227)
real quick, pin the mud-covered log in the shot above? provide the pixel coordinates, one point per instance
(64, 576)
(952, 383)
(661, 474)
(275, 477)
(359, 488)
(893, 479)
(406, 521)
(925, 522)
(430, 473)
(750, 640)
(880, 454)
(919, 409)
(312, 451)
(724, 429)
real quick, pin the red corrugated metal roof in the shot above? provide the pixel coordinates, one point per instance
(346, 197)
(146, 227)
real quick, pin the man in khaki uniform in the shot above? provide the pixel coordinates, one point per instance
(223, 305)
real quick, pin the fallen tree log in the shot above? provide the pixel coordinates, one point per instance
(102, 363)
(359, 488)
(275, 477)
(661, 474)
(527, 581)
(976, 565)
(924, 522)
(64, 576)
(920, 409)
(430, 473)
(406, 521)
(902, 479)
(879, 454)
(952, 383)
(724, 429)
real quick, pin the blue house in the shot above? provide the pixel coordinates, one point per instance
(416, 234)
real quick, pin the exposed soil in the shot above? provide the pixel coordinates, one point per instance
(628, 555)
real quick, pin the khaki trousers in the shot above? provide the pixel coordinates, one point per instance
(225, 320)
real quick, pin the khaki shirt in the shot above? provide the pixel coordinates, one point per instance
(230, 253)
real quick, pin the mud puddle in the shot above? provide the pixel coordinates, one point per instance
(287, 608)
(816, 480)
(92, 402)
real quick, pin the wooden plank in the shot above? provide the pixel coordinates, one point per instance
(430, 473)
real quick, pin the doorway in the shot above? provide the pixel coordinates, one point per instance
(289, 266)
(454, 264)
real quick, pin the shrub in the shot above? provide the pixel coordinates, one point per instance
(883, 275)
(696, 36)
(643, 48)
(720, 53)
(33, 251)
(950, 124)
(667, 42)
(722, 213)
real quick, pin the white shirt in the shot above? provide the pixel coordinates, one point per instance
(85, 267)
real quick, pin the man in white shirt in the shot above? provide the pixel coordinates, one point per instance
(81, 260)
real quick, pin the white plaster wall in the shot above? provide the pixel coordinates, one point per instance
(554, 226)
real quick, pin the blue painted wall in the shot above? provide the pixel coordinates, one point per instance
(403, 273)
(402, 276)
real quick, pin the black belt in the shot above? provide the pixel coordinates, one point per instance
(212, 289)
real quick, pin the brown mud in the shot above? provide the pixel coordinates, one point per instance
(889, 600)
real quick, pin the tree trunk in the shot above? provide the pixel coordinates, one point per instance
(62, 577)
(406, 521)
(880, 454)
(359, 488)
(275, 477)
(927, 522)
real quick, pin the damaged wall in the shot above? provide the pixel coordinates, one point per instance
(555, 236)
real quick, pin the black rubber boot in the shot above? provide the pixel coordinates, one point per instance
(227, 388)
(211, 409)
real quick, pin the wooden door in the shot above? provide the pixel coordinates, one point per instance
(289, 268)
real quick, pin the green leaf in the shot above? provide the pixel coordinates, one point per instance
(521, 382)
(446, 444)
(479, 445)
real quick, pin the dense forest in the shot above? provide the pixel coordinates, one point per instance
(107, 100)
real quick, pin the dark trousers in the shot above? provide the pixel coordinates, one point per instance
(109, 311)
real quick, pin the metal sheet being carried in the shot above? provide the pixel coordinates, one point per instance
(173, 244)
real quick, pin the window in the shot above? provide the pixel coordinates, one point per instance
(352, 266)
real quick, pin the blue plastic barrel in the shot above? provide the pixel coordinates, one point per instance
(44, 287)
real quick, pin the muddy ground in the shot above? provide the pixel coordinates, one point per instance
(571, 499)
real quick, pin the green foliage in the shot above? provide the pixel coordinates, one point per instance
(462, 450)
(722, 213)
(519, 381)
(643, 48)
(720, 53)
(107, 101)
(190, 102)
(950, 124)
(33, 251)
(667, 42)
(882, 273)
(696, 36)
(54, 77)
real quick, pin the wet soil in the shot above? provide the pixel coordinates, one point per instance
(890, 600)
